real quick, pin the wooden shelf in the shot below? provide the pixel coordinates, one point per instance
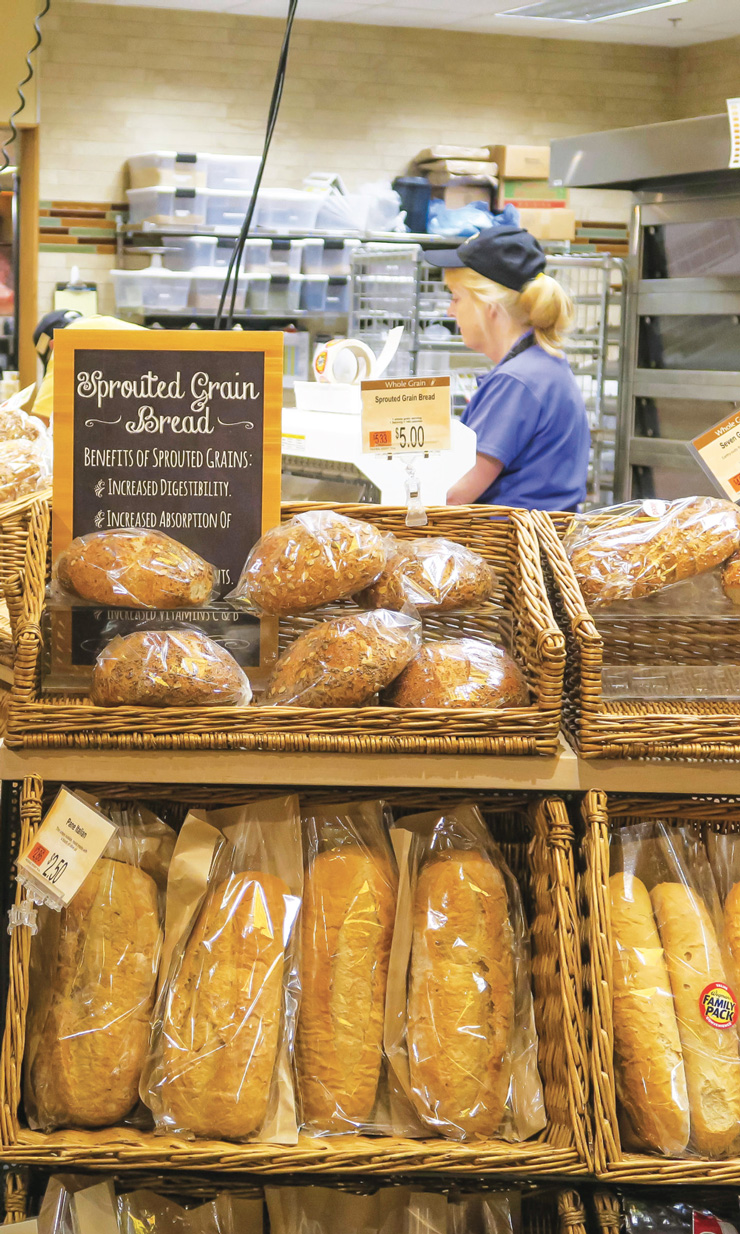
(564, 773)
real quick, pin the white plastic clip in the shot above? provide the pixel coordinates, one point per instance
(23, 914)
(416, 515)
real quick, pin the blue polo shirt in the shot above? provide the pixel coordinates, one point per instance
(529, 413)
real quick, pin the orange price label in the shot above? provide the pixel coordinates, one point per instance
(380, 439)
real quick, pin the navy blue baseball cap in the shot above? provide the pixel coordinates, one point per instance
(507, 255)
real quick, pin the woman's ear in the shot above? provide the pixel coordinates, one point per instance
(493, 311)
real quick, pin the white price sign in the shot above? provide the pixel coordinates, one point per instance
(65, 848)
(718, 451)
(408, 415)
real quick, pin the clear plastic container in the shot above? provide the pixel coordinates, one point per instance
(313, 292)
(226, 207)
(337, 257)
(167, 204)
(189, 252)
(337, 294)
(287, 209)
(258, 293)
(286, 256)
(231, 171)
(167, 167)
(313, 257)
(153, 288)
(224, 249)
(207, 285)
(256, 256)
(284, 293)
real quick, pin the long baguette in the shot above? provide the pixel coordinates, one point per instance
(651, 1081)
(710, 1054)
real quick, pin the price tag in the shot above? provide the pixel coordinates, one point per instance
(64, 850)
(408, 415)
(718, 452)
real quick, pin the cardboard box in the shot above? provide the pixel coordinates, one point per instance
(522, 162)
(432, 153)
(463, 190)
(457, 167)
(539, 192)
(557, 224)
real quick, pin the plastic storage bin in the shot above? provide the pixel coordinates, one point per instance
(287, 209)
(166, 167)
(284, 294)
(224, 249)
(226, 207)
(313, 257)
(207, 285)
(286, 256)
(153, 288)
(258, 293)
(231, 171)
(256, 256)
(337, 294)
(167, 204)
(189, 252)
(313, 292)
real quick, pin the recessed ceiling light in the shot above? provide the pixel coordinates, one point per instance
(585, 10)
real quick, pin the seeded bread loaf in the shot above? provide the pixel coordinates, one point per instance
(344, 662)
(25, 468)
(221, 1023)
(462, 672)
(314, 559)
(346, 930)
(433, 575)
(638, 551)
(167, 668)
(731, 579)
(135, 569)
(461, 994)
(92, 1042)
(648, 1060)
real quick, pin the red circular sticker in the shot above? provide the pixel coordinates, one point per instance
(718, 1005)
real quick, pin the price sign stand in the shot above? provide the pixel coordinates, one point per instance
(407, 418)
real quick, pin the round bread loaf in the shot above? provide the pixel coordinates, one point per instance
(16, 424)
(342, 663)
(135, 569)
(167, 668)
(464, 672)
(24, 468)
(731, 579)
(316, 558)
(435, 575)
(637, 552)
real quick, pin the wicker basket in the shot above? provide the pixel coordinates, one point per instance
(603, 816)
(537, 839)
(15, 520)
(505, 538)
(600, 728)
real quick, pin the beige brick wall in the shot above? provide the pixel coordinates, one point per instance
(359, 100)
(708, 73)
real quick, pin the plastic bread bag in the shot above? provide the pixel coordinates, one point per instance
(15, 424)
(639, 548)
(460, 1034)
(723, 851)
(146, 1212)
(222, 1040)
(178, 667)
(349, 905)
(432, 575)
(316, 558)
(482, 1212)
(344, 662)
(678, 1084)
(132, 568)
(55, 1213)
(25, 467)
(93, 975)
(328, 1210)
(459, 672)
(646, 1214)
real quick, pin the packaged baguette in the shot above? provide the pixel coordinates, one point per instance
(93, 980)
(349, 905)
(678, 1084)
(639, 548)
(460, 1033)
(222, 1041)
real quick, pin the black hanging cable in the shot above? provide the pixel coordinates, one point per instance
(24, 82)
(232, 273)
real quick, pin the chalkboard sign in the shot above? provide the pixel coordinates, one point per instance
(174, 431)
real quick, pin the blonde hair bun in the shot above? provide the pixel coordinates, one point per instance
(542, 304)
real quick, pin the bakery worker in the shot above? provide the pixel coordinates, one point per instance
(528, 413)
